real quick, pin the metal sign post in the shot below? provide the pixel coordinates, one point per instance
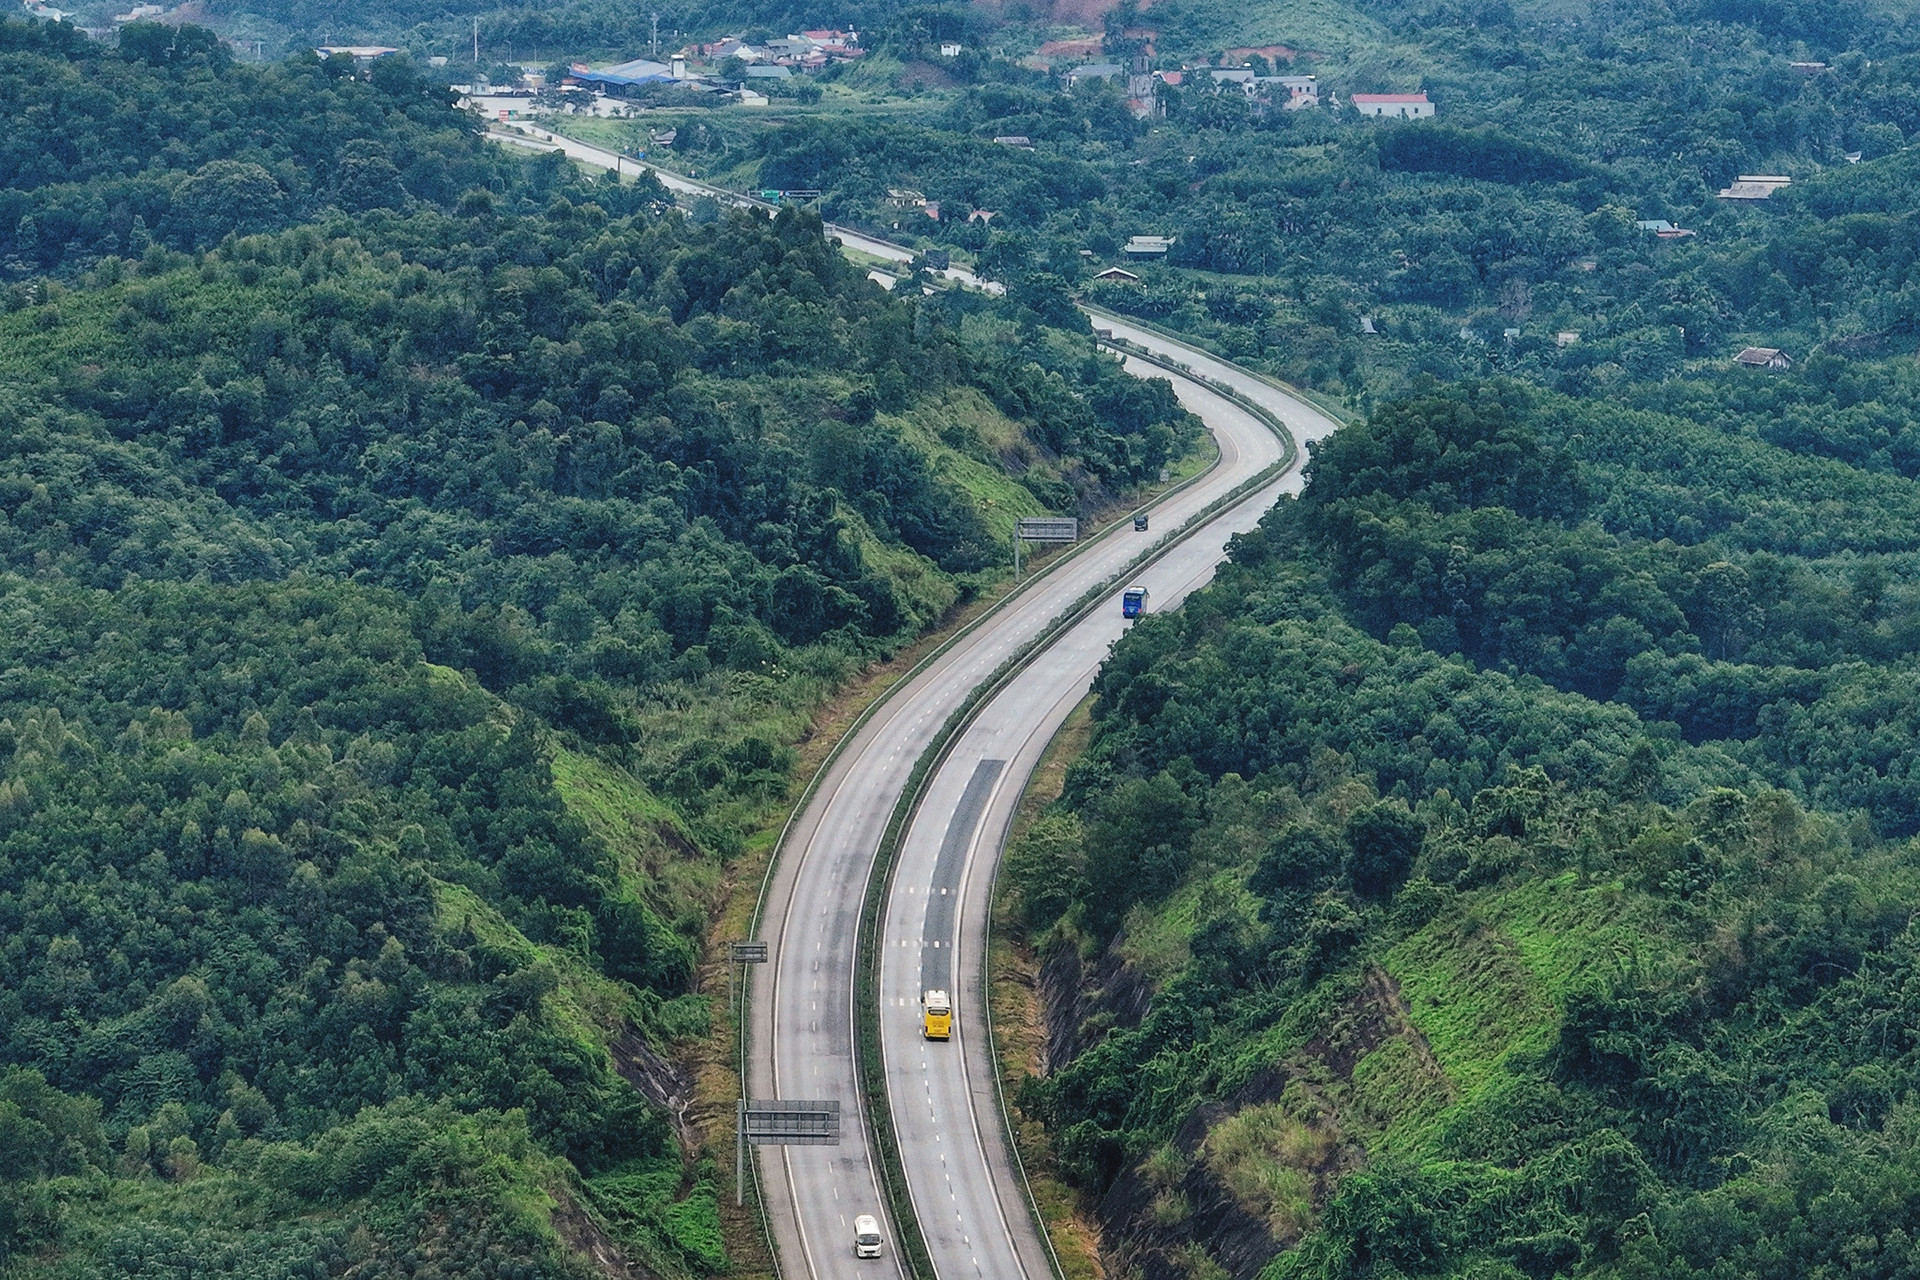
(772, 1122)
(742, 953)
(1042, 529)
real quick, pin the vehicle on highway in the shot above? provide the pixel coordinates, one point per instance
(866, 1236)
(1134, 602)
(938, 1012)
(1139, 524)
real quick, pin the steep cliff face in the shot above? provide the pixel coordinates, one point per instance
(1083, 1001)
(1244, 1177)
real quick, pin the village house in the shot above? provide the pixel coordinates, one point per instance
(731, 47)
(1764, 358)
(1405, 106)
(1119, 274)
(625, 75)
(906, 198)
(1754, 186)
(1148, 246)
(362, 54)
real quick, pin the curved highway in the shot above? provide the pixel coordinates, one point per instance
(967, 1195)
(969, 1202)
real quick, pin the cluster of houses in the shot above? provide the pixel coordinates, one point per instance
(807, 51)
(770, 61)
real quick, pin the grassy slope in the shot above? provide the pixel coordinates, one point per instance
(959, 414)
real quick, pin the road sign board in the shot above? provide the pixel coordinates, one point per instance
(747, 952)
(1048, 530)
(790, 1123)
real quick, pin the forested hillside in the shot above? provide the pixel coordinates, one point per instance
(416, 568)
(1480, 879)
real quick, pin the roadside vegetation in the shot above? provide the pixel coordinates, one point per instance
(418, 566)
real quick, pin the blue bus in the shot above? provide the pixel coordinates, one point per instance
(1134, 602)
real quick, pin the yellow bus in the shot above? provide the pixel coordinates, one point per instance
(938, 1012)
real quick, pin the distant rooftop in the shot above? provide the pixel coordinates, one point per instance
(639, 71)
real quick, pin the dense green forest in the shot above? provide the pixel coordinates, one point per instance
(417, 564)
(1520, 889)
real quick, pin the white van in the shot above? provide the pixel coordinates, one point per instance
(866, 1236)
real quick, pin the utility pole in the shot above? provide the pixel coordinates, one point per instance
(476, 42)
(656, 34)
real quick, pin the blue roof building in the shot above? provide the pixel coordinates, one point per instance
(627, 74)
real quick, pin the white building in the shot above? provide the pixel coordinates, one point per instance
(1302, 91)
(1405, 106)
(1765, 358)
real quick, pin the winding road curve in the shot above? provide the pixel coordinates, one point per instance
(968, 1196)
